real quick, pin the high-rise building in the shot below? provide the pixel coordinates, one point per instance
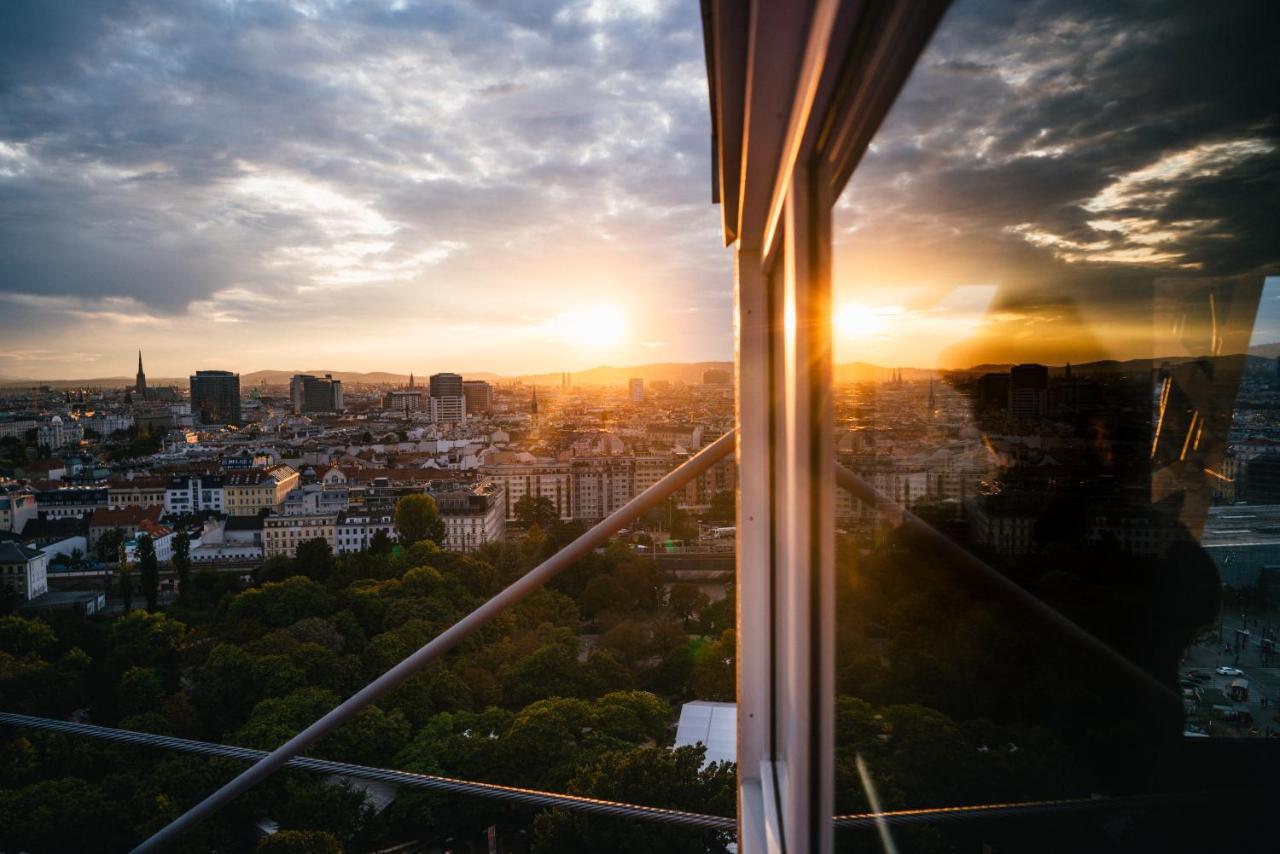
(479, 396)
(636, 386)
(315, 394)
(215, 397)
(716, 376)
(1028, 391)
(140, 384)
(448, 401)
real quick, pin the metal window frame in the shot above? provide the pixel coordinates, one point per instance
(797, 91)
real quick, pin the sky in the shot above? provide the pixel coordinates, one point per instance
(525, 186)
(487, 186)
(1057, 177)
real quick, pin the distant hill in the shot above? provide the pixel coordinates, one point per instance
(609, 375)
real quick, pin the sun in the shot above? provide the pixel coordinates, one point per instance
(596, 328)
(859, 321)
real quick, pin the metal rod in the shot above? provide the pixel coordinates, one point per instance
(931, 536)
(432, 782)
(446, 640)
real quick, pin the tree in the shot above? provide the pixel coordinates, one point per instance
(536, 510)
(380, 544)
(649, 775)
(418, 519)
(687, 600)
(181, 561)
(149, 571)
(125, 576)
(300, 842)
(314, 559)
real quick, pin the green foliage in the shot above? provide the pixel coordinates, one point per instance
(181, 561)
(21, 637)
(300, 842)
(148, 571)
(418, 519)
(279, 604)
(536, 510)
(139, 690)
(314, 559)
(664, 778)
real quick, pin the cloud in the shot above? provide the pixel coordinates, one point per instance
(1070, 151)
(449, 155)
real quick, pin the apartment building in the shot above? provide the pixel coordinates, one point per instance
(281, 535)
(251, 492)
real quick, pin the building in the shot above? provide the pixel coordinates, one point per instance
(315, 394)
(70, 503)
(448, 402)
(1028, 391)
(215, 397)
(16, 429)
(313, 498)
(126, 520)
(139, 492)
(479, 397)
(1004, 523)
(687, 436)
(56, 433)
(600, 486)
(402, 401)
(993, 391)
(16, 509)
(161, 540)
(635, 389)
(281, 535)
(194, 493)
(249, 493)
(550, 480)
(23, 570)
(356, 530)
(140, 384)
(716, 376)
(472, 516)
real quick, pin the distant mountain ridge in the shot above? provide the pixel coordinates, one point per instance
(686, 372)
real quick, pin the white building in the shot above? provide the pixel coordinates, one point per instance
(194, 493)
(355, 531)
(24, 570)
(473, 516)
(635, 387)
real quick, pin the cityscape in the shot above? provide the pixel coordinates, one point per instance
(639, 426)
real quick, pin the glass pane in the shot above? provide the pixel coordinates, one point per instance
(1057, 394)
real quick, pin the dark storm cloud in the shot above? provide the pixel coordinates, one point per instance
(1071, 142)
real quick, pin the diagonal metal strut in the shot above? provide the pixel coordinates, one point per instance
(446, 640)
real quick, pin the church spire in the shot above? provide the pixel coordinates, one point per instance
(140, 385)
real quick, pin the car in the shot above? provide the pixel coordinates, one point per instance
(1198, 675)
(1224, 670)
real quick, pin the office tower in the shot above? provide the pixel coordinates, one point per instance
(479, 396)
(215, 397)
(140, 384)
(1028, 391)
(449, 403)
(315, 394)
(716, 376)
(636, 385)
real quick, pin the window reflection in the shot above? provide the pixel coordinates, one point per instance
(1057, 344)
